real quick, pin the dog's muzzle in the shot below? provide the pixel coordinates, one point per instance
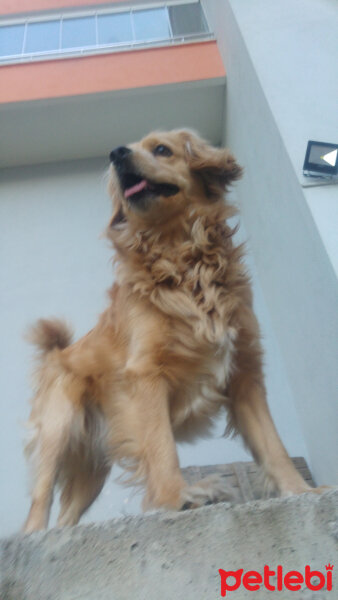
(135, 187)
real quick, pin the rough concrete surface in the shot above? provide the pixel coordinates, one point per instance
(170, 556)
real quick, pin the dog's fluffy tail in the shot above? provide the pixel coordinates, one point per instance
(48, 334)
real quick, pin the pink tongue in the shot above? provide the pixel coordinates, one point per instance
(135, 188)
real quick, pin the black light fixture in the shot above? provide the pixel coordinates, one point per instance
(321, 160)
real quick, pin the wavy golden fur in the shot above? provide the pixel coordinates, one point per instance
(178, 343)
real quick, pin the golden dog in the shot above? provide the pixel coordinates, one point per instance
(178, 343)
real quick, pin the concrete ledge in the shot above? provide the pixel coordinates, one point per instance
(169, 556)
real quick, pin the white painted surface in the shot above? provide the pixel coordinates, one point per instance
(267, 49)
(294, 51)
(293, 48)
(52, 262)
(293, 54)
(323, 204)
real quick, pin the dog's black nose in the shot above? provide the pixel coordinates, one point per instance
(118, 155)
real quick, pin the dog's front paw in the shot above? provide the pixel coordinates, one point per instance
(306, 489)
(209, 490)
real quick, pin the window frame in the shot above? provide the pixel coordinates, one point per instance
(61, 16)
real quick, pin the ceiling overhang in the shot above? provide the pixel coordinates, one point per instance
(91, 120)
(88, 126)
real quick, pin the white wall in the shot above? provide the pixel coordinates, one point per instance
(293, 49)
(52, 262)
(273, 106)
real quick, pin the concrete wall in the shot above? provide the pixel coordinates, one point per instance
(280, 58)
(177, 555)
(52, 262)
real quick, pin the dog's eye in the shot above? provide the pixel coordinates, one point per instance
(162, 150)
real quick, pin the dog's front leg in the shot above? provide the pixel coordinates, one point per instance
(250, 415)
(150, 444)
(147, 445)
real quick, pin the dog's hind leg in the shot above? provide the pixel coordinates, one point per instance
(85, 466)
(53, 427)
(80, 490)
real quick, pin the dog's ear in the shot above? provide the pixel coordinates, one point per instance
(216, 166)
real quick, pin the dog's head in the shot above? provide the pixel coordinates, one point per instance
(157, 178)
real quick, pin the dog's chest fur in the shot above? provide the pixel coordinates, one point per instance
(193, 287)
(197, 307)
(195, 404)
(194, 281)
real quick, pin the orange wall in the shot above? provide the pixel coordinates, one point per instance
(107, 72)
(23, 6)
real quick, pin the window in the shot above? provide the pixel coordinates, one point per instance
(103, 30)
(114, 28)
(11, 40)
(187, 19)
(42, 37)
(78, 33)
(151, 24)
